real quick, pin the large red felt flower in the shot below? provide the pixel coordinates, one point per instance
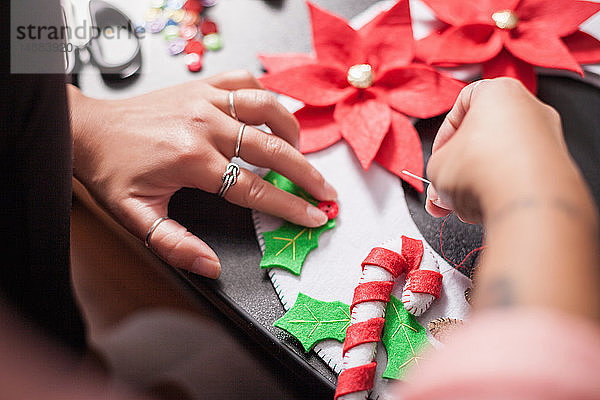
(510, 37)
(360, 85)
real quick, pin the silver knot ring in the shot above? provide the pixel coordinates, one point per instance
(238, 143)
(232, 111)
(152, 229)
(229, 178)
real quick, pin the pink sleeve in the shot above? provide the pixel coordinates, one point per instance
(513, 354)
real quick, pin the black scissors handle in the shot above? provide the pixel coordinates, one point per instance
(105, 15)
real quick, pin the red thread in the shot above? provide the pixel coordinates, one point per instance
(461, 264)
(386, 259)
(363, 332)
(424, 281)
(372, 291)
(355, 379)
(412, 250)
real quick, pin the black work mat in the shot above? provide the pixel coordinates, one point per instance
(244, 292)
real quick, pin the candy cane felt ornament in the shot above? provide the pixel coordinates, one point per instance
(380, 270)
(423, 279)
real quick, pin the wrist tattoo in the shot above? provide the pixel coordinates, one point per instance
(560, 204)
(499, 293)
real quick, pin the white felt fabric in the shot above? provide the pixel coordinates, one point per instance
(373, 212)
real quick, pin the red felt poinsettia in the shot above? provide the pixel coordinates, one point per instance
(510, 37)
(361, 85)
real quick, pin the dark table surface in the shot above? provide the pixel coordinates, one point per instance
(244, 292)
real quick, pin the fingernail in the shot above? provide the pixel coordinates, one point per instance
(207, 267)
(317, 216)
(443, 202)
(438, 200)
(331, 193)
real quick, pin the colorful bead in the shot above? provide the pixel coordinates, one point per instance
(158, 3)
(178, 15)
(213, 42)
(171, 32)
(188, 32)
(168, 13)
(193, 62)
(194, 46)
(175, 4)
(152, 14)
(190, 18)
(193, 6)
(176, 46)
(181, 23)
(207, 27)
(139, 28)
(156, 25)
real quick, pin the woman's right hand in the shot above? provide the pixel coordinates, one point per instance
(500, 158)
(498, 144)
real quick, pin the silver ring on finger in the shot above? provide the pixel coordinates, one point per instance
(152, 229)
(232, 110)
(238, 143)
(229, 178)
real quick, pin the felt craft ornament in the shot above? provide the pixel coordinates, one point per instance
(361, 85)
(288, 246)
(371, 295)
(404, 340)
(380, 270)
(373, 213)
(311, 321)
(510, 37)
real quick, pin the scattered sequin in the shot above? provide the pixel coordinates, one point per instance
(184, 28)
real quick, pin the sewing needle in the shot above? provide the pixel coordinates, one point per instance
(405, 172)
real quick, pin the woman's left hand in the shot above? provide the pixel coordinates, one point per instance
(134, 154)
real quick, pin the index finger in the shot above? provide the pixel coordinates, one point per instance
(455, 116)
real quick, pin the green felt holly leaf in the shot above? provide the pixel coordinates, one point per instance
(284, 183)
(404, 339)
(311, 321)
(288, 246)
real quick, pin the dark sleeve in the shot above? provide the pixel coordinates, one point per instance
(35, 202)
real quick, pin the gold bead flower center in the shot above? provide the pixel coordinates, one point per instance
(360, 76)
(505, 19)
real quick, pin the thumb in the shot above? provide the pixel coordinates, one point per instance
(180, 248)
(436, 205)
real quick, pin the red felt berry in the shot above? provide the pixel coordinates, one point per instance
(207, 27)
(330, 208)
